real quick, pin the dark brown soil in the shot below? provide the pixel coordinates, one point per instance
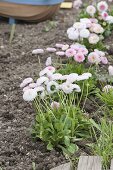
(17, 150)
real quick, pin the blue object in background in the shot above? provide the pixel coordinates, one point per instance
(34, 2)
(12, 21)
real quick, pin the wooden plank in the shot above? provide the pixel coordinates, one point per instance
(89, 163)
(111, 167)
(82, 165)
(66, 166)
(97, 165)
(66, 5)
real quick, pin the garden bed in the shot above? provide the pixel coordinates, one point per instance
(18, 151)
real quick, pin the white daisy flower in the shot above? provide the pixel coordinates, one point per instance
(48, 61)
(46, 70)
(32, 85)
(79, 25)
(57, 76)
(42, 80)
(29, 95)
(43, 94)
(87, 74)
(38, 51)
(76, 88)
(39, 89)
(65, 47)
(109, 19)
(86, 21)
(91, 10)
(84, 33)
(74, 35)
(67, 87)
(110, 70)
(94, 39)
(107, 88)
(52, 87)
(26, 88)
(84, 76)
(64, 77)
(72, 77)
(26, 81)
(69, 30)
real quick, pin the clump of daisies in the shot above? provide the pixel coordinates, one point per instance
(86, 29)
(78, 53)
(50, 82)
(102, 15)
(59, 118)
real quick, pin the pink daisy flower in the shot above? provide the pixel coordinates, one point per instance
(60, 53)
(70, 52)
(104, 60)
(59, 45)
(83, 50)
(79, 57)
(51, 49)
(104, 15)
(94, 58)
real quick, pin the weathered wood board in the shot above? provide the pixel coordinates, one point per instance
(111, 167)
(89, 163)
(66, 166)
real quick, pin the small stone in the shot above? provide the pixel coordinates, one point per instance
(2, 47)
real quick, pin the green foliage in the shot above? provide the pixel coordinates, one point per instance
(100, 46)
(73, 67)
(61, 127)
(107, 98)
(104, 144)
(33, 166)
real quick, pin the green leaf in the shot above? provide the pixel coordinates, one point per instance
(49, 146)
(66, 140)
(95, 124)
(72, 148)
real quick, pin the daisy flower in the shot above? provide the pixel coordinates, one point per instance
(79, 57)
(38, 51)
(102, 6)
(49, 49)
(107, 88)
(70, 52)
(60, 53)
(52, 87)
(29, 95)
(72, 77)
(93, 39)
(26, 81)
(42, 80)
(46, 70)
(91, 10)
(48, 61)
(93, 57)
(110, 70)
